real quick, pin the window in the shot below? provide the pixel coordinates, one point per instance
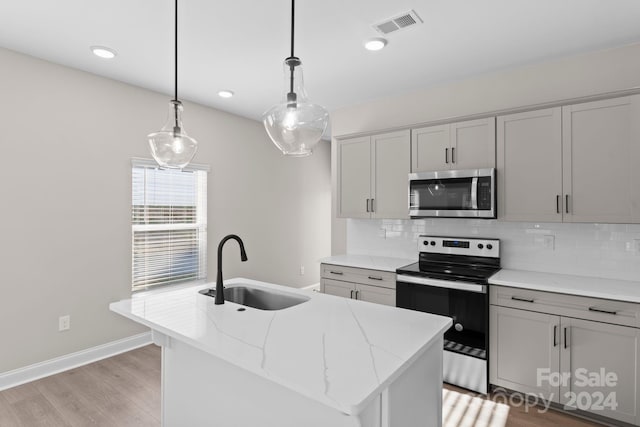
(168, 224)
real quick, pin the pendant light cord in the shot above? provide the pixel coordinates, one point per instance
(291, 94)
(293, 19)
(175, 58)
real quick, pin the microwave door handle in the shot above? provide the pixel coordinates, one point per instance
(474, 193)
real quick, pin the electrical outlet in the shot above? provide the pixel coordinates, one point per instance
(544, 241)
(302, 270)
(64, 323)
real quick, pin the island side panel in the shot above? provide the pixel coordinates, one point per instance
(203, 390)
(415, 398)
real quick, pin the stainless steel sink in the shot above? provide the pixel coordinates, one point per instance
(262, 299)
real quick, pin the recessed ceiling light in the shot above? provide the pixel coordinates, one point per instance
(225, 94)
(375, 44)
(103, 52)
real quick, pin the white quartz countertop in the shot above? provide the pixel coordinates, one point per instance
(337, 351)
(370, 262)
(621, 290)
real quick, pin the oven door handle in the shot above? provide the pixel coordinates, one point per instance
(448, 284)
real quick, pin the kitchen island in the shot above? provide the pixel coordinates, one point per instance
(328, 361)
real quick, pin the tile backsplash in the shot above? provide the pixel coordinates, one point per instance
(598, 250)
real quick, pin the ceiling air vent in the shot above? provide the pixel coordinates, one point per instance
(397, 23)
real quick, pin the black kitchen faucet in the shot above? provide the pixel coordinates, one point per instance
(219, 299)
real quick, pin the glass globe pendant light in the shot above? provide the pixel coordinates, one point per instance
(171, 147)
(295, 125)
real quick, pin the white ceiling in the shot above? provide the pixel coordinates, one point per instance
(240, 45)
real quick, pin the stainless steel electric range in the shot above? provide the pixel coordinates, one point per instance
(451, 279)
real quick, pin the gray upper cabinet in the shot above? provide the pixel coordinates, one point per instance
(372, 176)
(429, 146)
(601, 150)
(574, 163)
(529, 166)
(354, 177)
(462, 145)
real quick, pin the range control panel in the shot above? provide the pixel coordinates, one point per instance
(459, 246)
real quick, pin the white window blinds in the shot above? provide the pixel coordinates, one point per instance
(169, 224)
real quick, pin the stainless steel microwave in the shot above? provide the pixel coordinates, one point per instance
(467, 193)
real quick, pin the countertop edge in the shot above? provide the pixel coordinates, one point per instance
(358, 408)
(612, 289)
(388, 264)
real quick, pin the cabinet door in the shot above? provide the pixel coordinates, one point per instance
(524, 345)
(600, 154)
(376, 294)
(529, 166)
(430, 148)
(390, 182)
(591, 349)
(337, 288)
(354, 177)
(473, 144)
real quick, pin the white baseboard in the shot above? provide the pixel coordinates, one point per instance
(69, 361)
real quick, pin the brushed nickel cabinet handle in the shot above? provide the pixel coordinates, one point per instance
(598, 310)
(453, 154)
(351, 294)
(555, 331)
(357, 293)
(566, 203)
(375, 278)
(372, 206)
(339, 273)
(446, 155)
(558, 203)
(565, 337)
(368, 206)
(522, 299)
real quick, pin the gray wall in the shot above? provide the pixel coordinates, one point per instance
(571, 77)
(65, 185)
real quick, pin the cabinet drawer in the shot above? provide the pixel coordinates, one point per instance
(384, 279)
(599, 310)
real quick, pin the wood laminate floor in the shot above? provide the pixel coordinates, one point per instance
(124, 391)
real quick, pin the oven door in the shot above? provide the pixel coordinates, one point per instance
(466, 303)
(455, 193)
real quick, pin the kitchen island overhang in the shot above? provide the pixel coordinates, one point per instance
(342, 361)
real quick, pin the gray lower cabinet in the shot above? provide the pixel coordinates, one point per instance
(610, 350)
(585, 364)
(521, 344)
(358, 283)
